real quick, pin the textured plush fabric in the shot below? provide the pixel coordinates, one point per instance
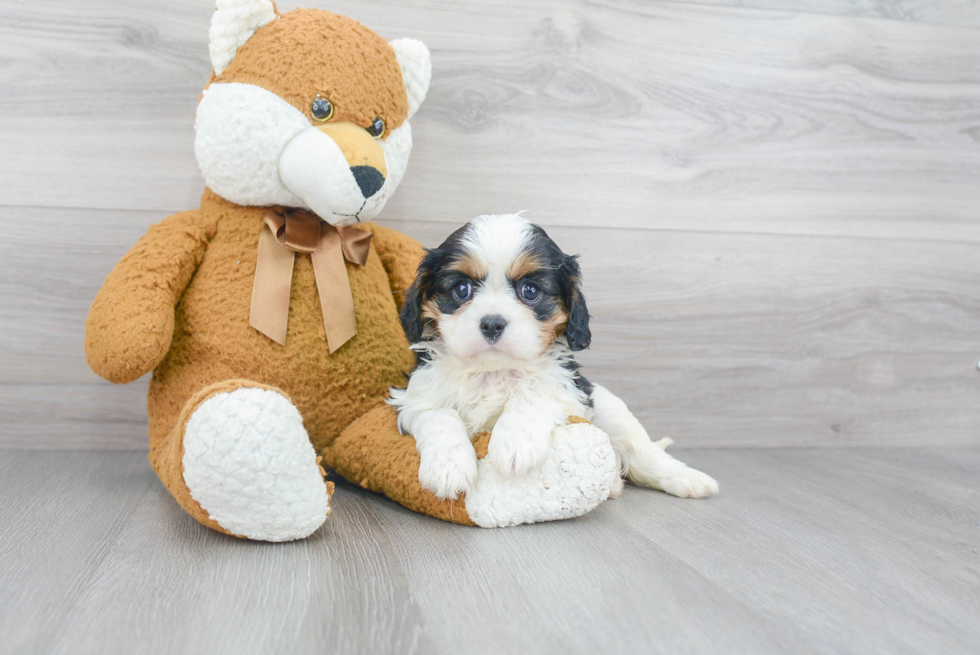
(167, 458)
(413, 59)
(241, 131)
(205, 259)
(178, 303)
(213, 341)
(131, 321)
(311, 51)
(249, 463)
(233, 23)
(578, 474)
(372, 454)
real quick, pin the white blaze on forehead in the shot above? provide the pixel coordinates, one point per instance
(496, 241)
(492, 244)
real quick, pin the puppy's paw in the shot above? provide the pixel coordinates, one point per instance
(448, 471)
(518, 444)
(686, 482)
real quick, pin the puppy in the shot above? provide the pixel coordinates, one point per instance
(494, 316)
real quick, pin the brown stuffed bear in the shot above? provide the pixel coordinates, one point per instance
(269, 315)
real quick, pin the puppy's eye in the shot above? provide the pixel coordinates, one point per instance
(529, 292)
(377, 128)
(321, 108)
(462, 291)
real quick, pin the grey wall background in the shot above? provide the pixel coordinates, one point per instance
(777, 202)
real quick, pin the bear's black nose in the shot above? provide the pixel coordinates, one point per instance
(368, 178)
(492, 327)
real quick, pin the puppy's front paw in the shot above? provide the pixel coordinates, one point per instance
(688, 483)
(518, 444)
(448, 471)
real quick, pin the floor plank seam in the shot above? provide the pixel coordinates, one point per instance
(452, 224)
(805, 12)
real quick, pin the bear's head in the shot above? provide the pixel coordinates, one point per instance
(307, 109)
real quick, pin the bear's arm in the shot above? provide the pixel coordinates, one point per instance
(400, 255)
(131, 321)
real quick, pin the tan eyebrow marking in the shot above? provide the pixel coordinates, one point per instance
(523, 265)
(470, 266)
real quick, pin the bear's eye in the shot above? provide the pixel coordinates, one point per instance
(321, 108)
(377, 128)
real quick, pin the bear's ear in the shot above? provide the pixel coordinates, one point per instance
(416, 64)
(234, 22)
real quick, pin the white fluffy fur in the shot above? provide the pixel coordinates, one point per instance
(577, 475)
(521, 402)
(250, 464)
(233, 23)
(241, 131)
(416, 64)
(514, 387)
(397, 148)
(495, 241)
(314, 168)
(254, 148)
(448, 461)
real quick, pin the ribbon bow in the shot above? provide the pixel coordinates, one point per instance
(285, 233)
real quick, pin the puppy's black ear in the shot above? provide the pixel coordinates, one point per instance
(411, 314)
(577, 331)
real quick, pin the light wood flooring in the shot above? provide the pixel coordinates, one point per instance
(804, 551)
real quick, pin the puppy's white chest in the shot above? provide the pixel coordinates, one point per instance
(490, 392)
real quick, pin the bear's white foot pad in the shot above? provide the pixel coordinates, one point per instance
(250, 464)
(577, 475)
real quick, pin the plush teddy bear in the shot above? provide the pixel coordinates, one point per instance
(269, 315)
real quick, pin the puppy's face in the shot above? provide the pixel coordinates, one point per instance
(498, 290)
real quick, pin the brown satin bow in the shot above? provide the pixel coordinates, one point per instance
(285, 233)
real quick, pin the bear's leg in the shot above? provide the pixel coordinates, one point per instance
(239, 461)
(579, 473)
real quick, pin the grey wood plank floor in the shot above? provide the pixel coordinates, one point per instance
(805, 550)
(945, 12)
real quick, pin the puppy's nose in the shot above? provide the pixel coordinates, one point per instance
(492, 327)
(368, 178)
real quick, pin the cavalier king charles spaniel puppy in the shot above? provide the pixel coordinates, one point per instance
(495, 316)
